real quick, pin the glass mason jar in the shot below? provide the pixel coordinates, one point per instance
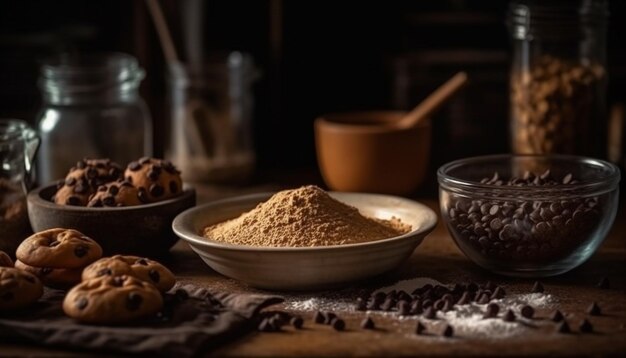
(18, 147)
(211, 106)
(91, 108)
(558, 77)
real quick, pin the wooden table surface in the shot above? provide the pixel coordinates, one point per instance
(436, 258)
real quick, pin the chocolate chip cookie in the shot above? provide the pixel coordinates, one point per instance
(156, 179)
(53, 277)
(112, 300)
(138, 267)
(119, 193)
(58, 248)
(5, 260)
(18, 288)
(95, 172)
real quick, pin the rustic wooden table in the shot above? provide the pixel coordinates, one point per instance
(437, 258)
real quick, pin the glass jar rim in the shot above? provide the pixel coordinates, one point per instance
(605, 183)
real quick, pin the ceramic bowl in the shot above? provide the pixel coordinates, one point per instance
(143, 230)
(307, 268)
(362, 152)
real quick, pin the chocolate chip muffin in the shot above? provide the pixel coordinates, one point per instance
(119, 193)
(156, 179)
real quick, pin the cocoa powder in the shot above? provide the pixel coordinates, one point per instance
(303, 217)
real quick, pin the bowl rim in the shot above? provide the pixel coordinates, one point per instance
(330, 122)
(185, 233)
(34, 197)
(611, 179)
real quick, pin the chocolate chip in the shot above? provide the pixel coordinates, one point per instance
(594, 309)
(45, 271)
(154, 276)
(557, 316)
(72, 200)
(527, 311)
(439, 304)
(92, 173)
(81, 251)
(82, 303)
(361, 304)
(81, 164)
(156, 190)
(70, 181)
(104, 272)
(154, 174)
(604, 283)
(492, 310)
(54, 243)
(484, 299)
(108, 201)
(367, 323)
(181, 294)
(416, 307)
(297, 322)
(134, 301)
(329, 317)
(126, 183)
(404, 308)
(563, 327)
(585, 326)
(143, 262)
(465, 298)
(144, 160)
(266, 326)
(420, 328)
(498, 293)
(80, 189)
(318, 318)
(113, 190)
(338, 324)
(430, 313)
(509, 316)
(389, 304)
(134, 166)
(118, 281)
(537, 287)
(448, 331)
(173, 187)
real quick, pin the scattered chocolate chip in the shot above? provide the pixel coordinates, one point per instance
(367, 323)
(143, 262)
(527, 311)
(439, 304)
(154, 275)
(585, 326)
(173, 187)
(142, 195)
(81, 304)
(181, 294)
(537, 287)
(484, 299)
(492, 310)
(134, 166)
(448, 331)
(465, 298)
(81, 164)
(70, 181)
(266, 326)
(144, 160)
(420, 328)
(388, 305)
(81, 251)
(134, 301)
(329, 317)
(416, 307)
(361, 304)
(557, 316)
(113, 190)
(404, 308)
(498, 293)
(296, 322)
(563, 327)
(338, 324)
(92, 173)
(318, 318)
(430, 313)
(604, 283)
(594, 309)
(509, 316)
(154, 174)
(118, 281)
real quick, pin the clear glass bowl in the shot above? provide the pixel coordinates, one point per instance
(528, 230)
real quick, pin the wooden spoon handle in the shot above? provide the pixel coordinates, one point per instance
(434, 101)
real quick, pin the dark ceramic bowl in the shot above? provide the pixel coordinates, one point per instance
(144, 230)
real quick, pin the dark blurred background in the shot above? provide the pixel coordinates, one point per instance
(315, 56)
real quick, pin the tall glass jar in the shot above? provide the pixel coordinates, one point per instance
(91, 108)
(558, 77)
(210, 135)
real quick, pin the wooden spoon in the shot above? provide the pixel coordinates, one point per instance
(433, 102)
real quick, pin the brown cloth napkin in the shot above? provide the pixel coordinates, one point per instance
(187, 326)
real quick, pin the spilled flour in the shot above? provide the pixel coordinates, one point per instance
(467, 320)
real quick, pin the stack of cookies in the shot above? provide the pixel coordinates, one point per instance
(103, 183)
(57, 256)
(119, 289)
(18, 289)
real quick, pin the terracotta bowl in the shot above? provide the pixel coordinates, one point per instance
(361, 152)
(143, 230)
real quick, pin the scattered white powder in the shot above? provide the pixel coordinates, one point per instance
(467, 320)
